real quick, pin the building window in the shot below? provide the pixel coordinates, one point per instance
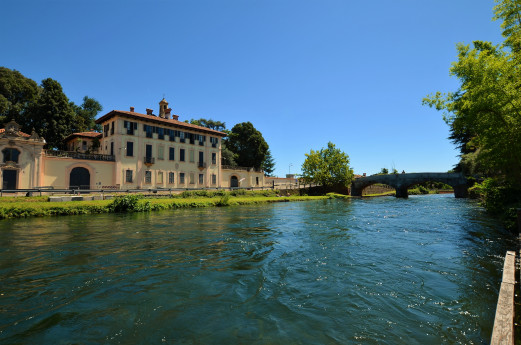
(171, 177)
(214, 158)
(112, 148)
(201, 178)
(112, 128)
(214, 141)
(160, 152)
(160, 177)
(202, 139)
(214, 179)
(11, 155)
(182, 178)
(84, 145)
(192, 156)
(106, 130)
(130, 149)
(160, 133)
(257, 180)
(182, 137)
(182, 155)
(130, 127)
(128, 176)
(171, 153)
(149, 130)
(192, 178)
(148, 176)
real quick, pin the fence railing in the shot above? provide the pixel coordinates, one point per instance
(79, 155)
(112, 189)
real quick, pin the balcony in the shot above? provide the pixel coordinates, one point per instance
(79, 155)
(149, 161)
(201, 165)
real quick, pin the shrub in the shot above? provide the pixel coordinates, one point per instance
(129, 203)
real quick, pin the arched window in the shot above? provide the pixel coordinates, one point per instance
(11, 155)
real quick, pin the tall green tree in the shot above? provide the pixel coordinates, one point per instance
(328, 167)
(268, 166)
(484, 114)
(248, 145)
(52, 116)
(17, 94)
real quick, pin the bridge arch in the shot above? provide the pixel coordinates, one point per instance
(401, 182)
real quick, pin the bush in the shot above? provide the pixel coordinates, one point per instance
(129, 203)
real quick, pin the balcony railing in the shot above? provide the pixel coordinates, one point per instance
(149, 160)
(201, 165)
(230, 167)
(79, 155)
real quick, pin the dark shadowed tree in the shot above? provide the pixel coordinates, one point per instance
(17, 94)
(52, 116)
(248, 145)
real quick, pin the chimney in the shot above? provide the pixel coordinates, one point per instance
(132, 109)
(149, 112)
(167, 113)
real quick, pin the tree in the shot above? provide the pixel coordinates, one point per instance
(52, 116)
(248, 145)
(209, 123)
(86, 114)
(484, 114)
(268, 166)
(328, 167)
(17, 93)
(384, 171)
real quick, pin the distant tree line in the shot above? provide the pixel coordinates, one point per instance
(44, 108)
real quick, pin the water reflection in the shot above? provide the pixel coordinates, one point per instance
(381, 271)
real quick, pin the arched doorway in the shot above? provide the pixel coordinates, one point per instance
(79, 179)
(234, 181)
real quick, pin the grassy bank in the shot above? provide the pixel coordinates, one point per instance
(18, 207)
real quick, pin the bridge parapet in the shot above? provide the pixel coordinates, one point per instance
(401, 182)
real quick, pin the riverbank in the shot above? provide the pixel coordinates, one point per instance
(20, 207)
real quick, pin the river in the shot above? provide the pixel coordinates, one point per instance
(424, 270)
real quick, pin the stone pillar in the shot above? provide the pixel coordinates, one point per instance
(401, 192)
(461, 191)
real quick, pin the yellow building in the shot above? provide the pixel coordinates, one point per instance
(134, 151)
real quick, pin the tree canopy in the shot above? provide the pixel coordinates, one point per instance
(328, 167)
(484, 114)
(248, 145)
(44, 108)
(268, 166)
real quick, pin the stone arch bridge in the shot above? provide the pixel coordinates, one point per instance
(401, 182)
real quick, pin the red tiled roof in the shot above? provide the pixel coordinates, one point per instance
(83, 135)
(158, 120)
(2, 130)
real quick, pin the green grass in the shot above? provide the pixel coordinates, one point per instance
(19, 207)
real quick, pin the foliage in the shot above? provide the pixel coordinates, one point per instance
(484, 114)
(209, 123)
(384, 171)
(248, 145)
(129, 203)
(86, 114)
(327, 167)
(17, 94)
(268, 166)
(43, 107)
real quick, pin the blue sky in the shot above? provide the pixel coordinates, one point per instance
(303, 72)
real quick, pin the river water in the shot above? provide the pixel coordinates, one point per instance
(425, 270)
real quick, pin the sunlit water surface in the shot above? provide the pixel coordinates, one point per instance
(376, 271)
